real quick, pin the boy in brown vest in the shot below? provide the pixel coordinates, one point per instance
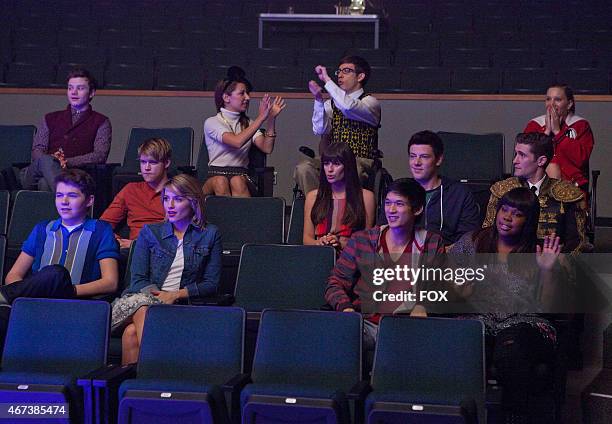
(350, 116)
(69, 138)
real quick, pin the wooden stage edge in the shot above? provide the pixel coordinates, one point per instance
(380, 96)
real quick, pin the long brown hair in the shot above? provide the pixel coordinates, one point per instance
(354, 212)
(485, 239)
(235, 76)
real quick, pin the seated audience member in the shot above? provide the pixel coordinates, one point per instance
(398, 243)
(140, 203)
(572, 137)
(69, 138)
(73, 256)
(230, 133)
(339, 206)
(175, 260)
(450, 207)
(562, 211)
(351, 116)
(512, 296)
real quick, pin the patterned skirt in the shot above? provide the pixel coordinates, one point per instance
(125, 306)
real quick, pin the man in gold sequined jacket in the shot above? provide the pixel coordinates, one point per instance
(561, 203)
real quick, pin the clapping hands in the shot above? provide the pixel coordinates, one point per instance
(270, 108)
(321, 72)
(316, 90)
(277, 106)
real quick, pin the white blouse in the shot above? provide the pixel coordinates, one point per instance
(219, 153)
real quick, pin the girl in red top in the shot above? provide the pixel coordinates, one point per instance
(339, 206)
(572, 136)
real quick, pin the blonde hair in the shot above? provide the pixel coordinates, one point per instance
(188, 186)
(157, 148)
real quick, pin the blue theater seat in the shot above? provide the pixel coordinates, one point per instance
(51, 343)
(306, 366)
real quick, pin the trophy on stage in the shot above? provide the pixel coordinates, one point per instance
(357, 7)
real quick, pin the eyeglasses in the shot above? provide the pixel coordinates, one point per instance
(344, 71)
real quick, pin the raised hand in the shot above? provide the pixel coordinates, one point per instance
(547, 119)
(316, 90)
(547, 256)
(277, 106)
(264, 106)
(321, 72)
(555, 121)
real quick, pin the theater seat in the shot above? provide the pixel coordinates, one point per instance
(306, 365)
(66, 339)
(188, 357)
(419, 381)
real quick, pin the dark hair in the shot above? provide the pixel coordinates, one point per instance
(354, 212)
(429, 138)
(540, 144)
(83, 73)
(235, 75)
(361, 67)
(77, 178)
(410, 189)
(569, 93)
(527, 202)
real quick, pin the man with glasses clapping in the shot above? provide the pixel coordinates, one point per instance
(350, 116)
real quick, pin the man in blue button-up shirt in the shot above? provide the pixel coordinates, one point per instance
(73, 256)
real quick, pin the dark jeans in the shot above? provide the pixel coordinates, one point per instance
(52, 281)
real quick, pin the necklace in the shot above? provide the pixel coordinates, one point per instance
(226, 122)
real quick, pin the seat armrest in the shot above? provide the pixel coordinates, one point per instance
(20, 165)
(107, 297)
(595, 174)
(263, 169)
(87, 378)
(115, 375)
(223, 300)
(360, 390)
(100, 166)
(378, 154)
(234, 386)
(236, 383)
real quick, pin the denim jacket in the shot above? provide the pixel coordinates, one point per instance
(155, 251)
